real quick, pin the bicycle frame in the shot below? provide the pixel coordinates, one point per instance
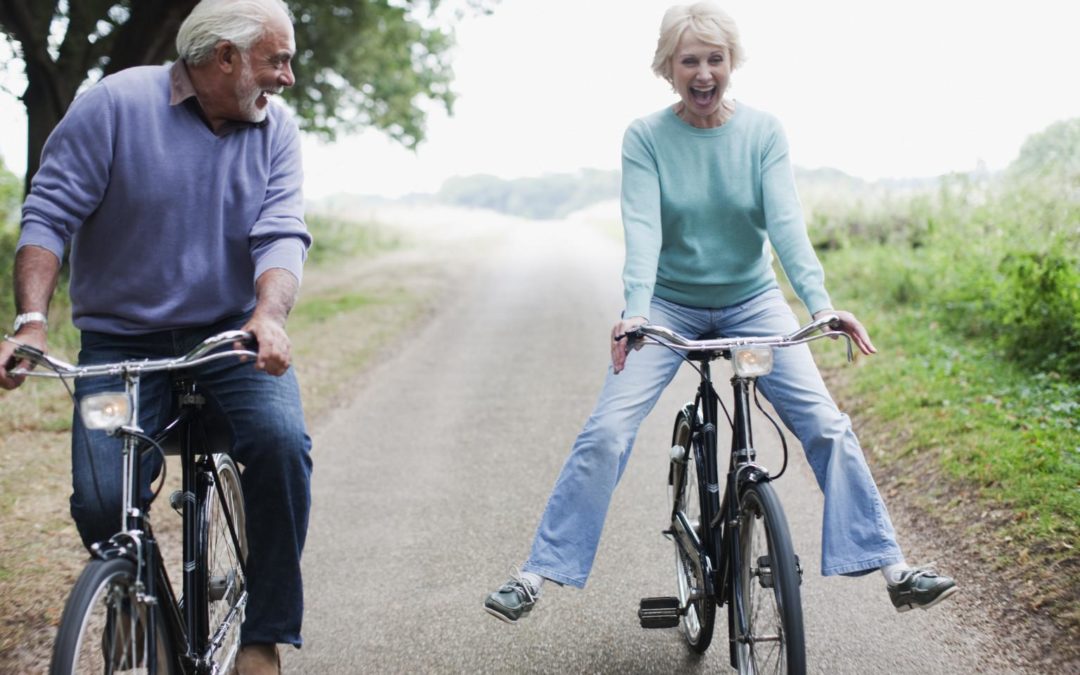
(720, 554)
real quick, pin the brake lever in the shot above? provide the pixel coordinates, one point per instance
(633, 337)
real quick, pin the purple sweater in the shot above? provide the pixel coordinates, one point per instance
(169, 224)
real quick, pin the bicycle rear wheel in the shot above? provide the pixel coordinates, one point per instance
(221, 557)
(104, 626)
(683, 488)
(767, 588)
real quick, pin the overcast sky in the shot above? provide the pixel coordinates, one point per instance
(875, 89)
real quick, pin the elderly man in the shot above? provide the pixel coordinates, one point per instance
(179, 190)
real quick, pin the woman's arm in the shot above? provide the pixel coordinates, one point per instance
(641, 219)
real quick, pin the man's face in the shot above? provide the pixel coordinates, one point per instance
(265, 70)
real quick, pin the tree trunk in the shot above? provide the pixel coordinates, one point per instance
(45, 99)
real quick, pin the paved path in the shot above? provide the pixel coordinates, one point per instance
(429, 484)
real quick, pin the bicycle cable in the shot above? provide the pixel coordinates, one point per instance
(676, 352)
(164, 463)
(779, 432)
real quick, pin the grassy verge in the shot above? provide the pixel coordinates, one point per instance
(364, 285)
(989, 448)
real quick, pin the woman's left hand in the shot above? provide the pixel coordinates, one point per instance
(850, 325)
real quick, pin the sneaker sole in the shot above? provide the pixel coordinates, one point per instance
(500, 616)
(944, 595)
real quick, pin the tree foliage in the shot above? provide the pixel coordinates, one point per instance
(380, 63)
(1053, 153)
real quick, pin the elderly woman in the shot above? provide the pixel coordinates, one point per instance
(706, 184)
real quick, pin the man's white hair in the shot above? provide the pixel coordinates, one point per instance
(241, 22)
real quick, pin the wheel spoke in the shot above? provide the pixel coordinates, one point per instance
(226, 585)
(697, 621)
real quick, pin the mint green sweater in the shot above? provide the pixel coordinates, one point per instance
(700, 208)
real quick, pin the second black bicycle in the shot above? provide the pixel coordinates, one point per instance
(732, 543)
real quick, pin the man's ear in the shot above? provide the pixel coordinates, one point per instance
(226, 56)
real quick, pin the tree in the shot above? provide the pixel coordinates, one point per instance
(360, 63)
(1053, 153)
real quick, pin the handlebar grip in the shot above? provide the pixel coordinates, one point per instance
(632, 337)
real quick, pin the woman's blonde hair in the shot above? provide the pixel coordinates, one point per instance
(708, 22)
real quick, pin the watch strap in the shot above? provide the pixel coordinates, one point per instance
(30, 317)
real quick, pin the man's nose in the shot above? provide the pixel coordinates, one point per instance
(286, 78)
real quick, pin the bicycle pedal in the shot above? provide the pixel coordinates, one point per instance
(659, 612)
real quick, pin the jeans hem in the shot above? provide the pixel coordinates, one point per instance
(294, 641)
(862, 567)
(560, 579)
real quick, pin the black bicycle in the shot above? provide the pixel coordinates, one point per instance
(732, 543)
(123, 614)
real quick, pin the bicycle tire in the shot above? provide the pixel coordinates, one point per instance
(221, 575)
(685, 494)
(767, 588)
(98, 629)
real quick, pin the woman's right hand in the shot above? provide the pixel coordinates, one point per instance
(618, 340)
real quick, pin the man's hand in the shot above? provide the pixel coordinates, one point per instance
(32, 335)
(275, 293)
(618, 340)
(850, 325)
(275, 350)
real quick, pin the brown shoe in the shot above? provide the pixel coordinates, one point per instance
(258, 660)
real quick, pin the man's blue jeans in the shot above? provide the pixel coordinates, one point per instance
(271, 444)
(857, 535)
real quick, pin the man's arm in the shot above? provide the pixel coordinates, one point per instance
(36, 272)
(275, 294)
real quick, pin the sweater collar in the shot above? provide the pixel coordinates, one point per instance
(182, 91)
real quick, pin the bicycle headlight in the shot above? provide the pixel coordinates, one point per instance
(108, 411)
(751, 361)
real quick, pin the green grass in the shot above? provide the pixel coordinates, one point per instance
(340, 239)
(963, 423)
(324, 308)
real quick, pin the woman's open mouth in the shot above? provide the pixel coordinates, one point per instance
(703, 97)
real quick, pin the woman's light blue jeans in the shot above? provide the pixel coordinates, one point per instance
(857, 535)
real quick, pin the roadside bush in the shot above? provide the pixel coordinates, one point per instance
(1039, 304)
(991, 259)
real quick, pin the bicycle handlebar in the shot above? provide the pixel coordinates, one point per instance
(203, 353)
(718, 346)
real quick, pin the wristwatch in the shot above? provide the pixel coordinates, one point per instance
(29, 317)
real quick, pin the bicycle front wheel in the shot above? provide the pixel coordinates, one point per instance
(221, 558)
(104, 627)
(770, 638)
(683, 488)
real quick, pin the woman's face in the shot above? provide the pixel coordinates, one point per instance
(699, 74)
